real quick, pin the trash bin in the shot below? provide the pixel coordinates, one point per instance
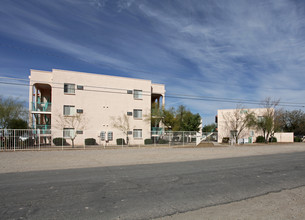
(250, 140)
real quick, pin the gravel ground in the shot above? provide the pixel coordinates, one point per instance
(21, 161)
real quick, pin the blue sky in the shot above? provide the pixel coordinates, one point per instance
(225, 49)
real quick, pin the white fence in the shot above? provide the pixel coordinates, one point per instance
(209, 136)
(38, 139)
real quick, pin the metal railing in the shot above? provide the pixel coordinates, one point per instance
(41, 138)
(44, 129)
(156, 131)
(15, 139)
(41, 106)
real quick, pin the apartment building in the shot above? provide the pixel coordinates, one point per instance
(229, 119)
(98, 99)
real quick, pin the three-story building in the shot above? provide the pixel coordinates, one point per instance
(98, 99)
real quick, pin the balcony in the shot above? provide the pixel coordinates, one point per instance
(41, 107)
(155, 131)
(44, 129)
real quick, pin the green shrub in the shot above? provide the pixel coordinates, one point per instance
(120, 141)
(260, 139)
(90, 141)
(272, 139)
(59, 141)
(148, 141)
(225, 140)
(161, 141)
(297, 139)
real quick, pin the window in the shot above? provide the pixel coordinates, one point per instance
(137, 94)
(260, 118)
(79, 87)
(110, 135)
(137, 133)
(69, 88)
(79, 132)
(102, 135)
(251, 133)
(137, 113)
(129, 91)
(69, 110)
(80, 111)
(68, 133)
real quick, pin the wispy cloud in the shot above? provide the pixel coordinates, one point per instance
(234, 49)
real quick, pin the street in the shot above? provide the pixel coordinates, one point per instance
(146, 191)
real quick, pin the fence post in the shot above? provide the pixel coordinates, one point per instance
(183, 137)
(39, 139)
(14, 139)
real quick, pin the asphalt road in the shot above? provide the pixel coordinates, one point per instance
(145, 191)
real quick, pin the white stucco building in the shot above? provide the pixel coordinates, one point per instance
(227, 117)
(98, 98)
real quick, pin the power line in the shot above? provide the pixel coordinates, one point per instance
(13, 78)
(230, 101)
(214, 99)
(60, 83)
(239, 100)
(168, 94)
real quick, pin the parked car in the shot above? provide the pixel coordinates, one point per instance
(25, 137)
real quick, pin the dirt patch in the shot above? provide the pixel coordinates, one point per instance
(287, 204)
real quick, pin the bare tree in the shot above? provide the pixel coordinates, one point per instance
(267, 122)
(237, 121)
(122, 123)
(75, 122)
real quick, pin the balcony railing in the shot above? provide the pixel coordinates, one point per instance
(157, 131)
(41, 106)
(44, 129)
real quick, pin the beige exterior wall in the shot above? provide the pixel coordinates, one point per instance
(225, 114)
(284, 137)
(103, 98)
(224, 130)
